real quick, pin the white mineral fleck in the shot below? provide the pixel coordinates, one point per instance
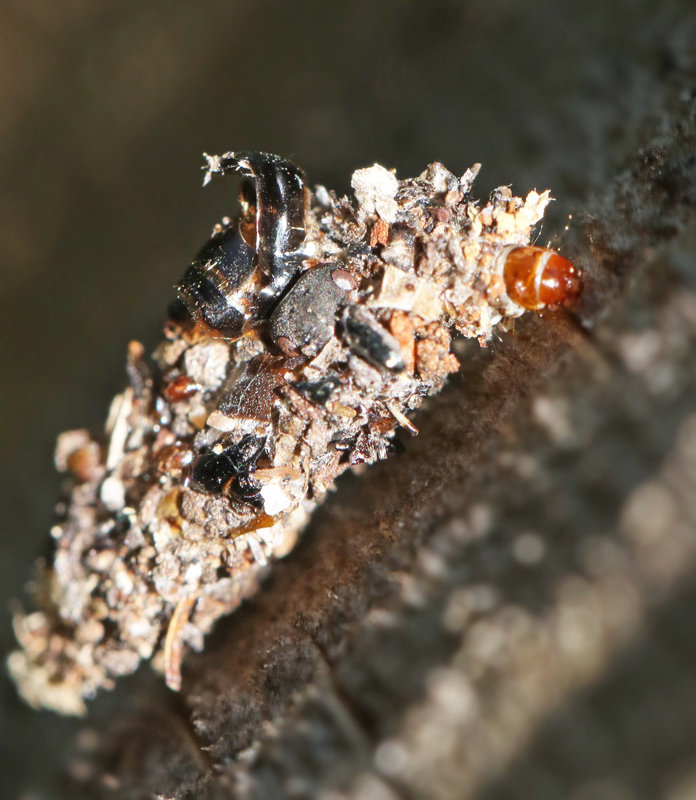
(193, 573)
(113, 494)
(376, 188)
(139, 627)
(123, 581)
(274, 499)
(322, 195)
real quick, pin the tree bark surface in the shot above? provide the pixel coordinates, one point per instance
(507, 608)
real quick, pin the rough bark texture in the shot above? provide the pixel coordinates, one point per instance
(504, 610)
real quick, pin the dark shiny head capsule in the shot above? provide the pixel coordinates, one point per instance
(230, 471)
(233, 282)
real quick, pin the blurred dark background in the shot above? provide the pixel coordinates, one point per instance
(106, 107)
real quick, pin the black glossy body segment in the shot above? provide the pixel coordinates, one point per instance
(370, 340)
(281, 201)
(212, 472)
(217, 287)
(319, 391)
(230, 471)
(230, 283)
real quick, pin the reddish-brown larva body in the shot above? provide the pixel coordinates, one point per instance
(536, 277)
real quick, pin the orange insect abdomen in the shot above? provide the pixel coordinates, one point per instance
(536, 277)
